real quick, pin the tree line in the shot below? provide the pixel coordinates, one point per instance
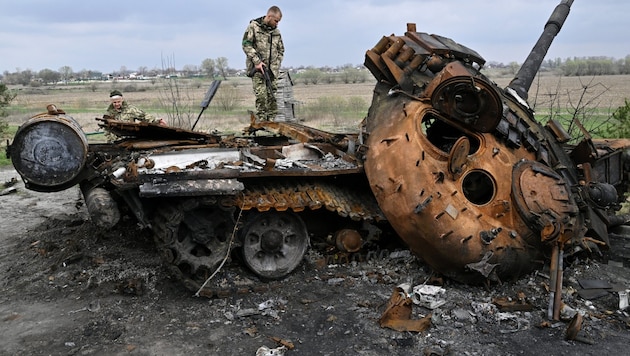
(576, 66)
(211, 68)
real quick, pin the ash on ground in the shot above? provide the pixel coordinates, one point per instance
(69, 288)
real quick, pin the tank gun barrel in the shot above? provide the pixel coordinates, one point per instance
(525, 76)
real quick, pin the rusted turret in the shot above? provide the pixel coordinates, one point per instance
(462, 170)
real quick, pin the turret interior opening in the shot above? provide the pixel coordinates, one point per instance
(478, 187)
(443, 135)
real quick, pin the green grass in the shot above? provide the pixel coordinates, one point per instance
(594, 121)
(6, 135)
(4, 161)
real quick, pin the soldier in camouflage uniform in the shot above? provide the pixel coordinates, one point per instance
(121, 110)
(263, 47)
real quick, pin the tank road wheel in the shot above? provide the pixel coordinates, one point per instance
(274, 243)
(194, 237)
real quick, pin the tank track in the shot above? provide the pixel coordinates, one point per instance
(355, 204)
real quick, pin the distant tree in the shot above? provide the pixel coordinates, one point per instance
(18, 77)
(352, 75)
(208, 67)
(142, 70)
(513, 66)
(312, 76)
(6, 97)
(222, 66)
(83, 74)
(66, 73)
(189, 70)
(154, 72)
(49, 76)
(626, 65)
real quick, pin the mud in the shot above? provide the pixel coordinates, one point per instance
(68, 288)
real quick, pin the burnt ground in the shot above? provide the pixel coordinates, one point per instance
(69, 289)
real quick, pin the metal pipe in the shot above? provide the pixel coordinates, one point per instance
(557, 303)
(553, 270)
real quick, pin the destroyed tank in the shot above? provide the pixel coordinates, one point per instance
(466, 175)
(456, 166)
(207, 198)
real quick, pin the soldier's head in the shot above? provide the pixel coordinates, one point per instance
(273, 17)
(116, 99)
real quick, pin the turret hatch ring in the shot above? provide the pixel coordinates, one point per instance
(542, 197)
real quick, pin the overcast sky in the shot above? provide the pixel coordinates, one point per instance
(106, 35)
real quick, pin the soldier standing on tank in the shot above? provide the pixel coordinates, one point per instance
(264, 51)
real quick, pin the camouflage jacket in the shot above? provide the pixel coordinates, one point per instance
(130, 113)
(263, 43)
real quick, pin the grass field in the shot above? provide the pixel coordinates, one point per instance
(333, 107)
(87, 102)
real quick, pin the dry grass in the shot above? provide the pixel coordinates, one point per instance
(87, 102)
(603, 93)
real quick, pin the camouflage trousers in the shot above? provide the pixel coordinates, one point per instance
(266, 105)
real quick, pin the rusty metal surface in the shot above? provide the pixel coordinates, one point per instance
(346, 201)
(503, 202)
(348, 240)
(394, 58)
(303, 133)
(149, 131)
(543, 199)
(437, 212)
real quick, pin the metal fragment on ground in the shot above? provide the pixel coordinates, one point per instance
(397, 315)
(428, 296)
(266, 351)
(507, 304)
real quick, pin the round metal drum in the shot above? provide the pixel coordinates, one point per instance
(49, 152)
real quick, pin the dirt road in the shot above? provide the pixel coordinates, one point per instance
(69, 289)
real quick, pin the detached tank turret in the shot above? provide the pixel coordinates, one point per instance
(466, 175)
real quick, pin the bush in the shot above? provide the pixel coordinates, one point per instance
(130, 88)
(6, 97)
(619, 125)
(227, 97)
(3, 127)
